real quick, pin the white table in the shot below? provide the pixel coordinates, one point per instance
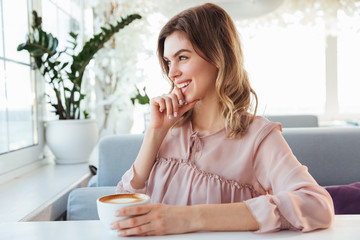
(345, 227)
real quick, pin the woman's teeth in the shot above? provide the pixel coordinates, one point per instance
(182, 85)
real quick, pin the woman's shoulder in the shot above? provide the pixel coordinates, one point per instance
(260, 121)
(261, 127)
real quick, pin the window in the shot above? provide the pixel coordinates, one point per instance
(17, 99)
(20, 143)
(21, 88)
(348, 59)
(308, 66)
(286, 68)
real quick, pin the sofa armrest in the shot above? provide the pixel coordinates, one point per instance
(82, 202)
(330, 153)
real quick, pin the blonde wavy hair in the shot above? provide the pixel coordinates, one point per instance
(211, 30)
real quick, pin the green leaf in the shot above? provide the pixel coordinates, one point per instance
(64, 65)
(54, 46)
(73, 35)
(21, 46)
(50, 41)
(44, 39)
(36, 35)
(86, 114)
(82, 96)
(141, 98)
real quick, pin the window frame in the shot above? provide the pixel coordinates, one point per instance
(29, 157)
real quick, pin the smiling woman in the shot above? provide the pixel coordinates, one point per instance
(211, 164)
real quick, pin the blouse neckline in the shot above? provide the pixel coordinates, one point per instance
(196, 133)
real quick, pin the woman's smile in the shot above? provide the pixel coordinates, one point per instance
(183, 86)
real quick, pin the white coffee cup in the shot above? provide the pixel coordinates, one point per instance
(108, 205)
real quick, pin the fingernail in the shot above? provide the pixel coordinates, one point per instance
(160, 110)
(112, 226)
(180, 102)
(170, 116)
(175, 114)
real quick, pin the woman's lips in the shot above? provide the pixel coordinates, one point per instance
(183, 86)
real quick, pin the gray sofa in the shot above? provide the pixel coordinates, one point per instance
(295, 121)
(332, 156)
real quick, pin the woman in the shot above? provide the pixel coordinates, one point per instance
(207, 162)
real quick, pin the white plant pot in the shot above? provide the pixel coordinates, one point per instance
(71, 141)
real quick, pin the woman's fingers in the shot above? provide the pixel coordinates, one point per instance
(134, 210)
(183, 109)
(140, 224)
(140, 230)
(171, 104)
(157, 219)
(159, 102)
(168, 102)
(179, 95)
(175, 105)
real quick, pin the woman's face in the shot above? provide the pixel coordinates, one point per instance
(188, 70)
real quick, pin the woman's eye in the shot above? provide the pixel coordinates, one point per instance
(167, 63)
(183, 58)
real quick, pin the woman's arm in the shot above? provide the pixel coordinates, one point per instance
(296, 200)
(161, 219)
(224, 217)
(146, 156)
(165, 111)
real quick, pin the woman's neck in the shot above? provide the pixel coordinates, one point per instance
(207, 119)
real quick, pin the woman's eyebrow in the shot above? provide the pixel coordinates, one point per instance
(179, 52)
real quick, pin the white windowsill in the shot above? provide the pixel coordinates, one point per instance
(41, 194)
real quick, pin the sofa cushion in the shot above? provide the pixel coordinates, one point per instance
(116, 155)
(346, 198)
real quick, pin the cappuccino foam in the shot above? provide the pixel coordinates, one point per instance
(123, 198)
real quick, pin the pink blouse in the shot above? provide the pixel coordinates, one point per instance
(258, 168)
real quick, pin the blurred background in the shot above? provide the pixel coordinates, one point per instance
(302, 58)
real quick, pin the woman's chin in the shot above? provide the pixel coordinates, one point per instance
(188, 99)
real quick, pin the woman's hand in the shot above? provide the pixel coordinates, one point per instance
(166, 109)
(155, 219)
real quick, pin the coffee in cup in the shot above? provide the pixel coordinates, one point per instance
(108, 205)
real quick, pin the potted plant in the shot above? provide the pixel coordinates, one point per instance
(67, 135)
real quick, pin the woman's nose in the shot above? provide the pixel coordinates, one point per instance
(174, 71)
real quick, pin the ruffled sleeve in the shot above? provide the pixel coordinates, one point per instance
(295, 200)
(124, 186)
